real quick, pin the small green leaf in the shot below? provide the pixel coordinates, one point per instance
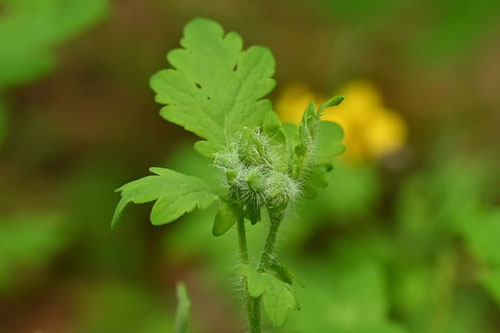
(215, 87)
(308, 126)
(183, 312)
(226, 217)
(283, 273)
(303, 152)
(273, 127)
(334, 101)
(329, 141)
(206, 148)
(175, 193)
(329, 144)
(272, 123)
(317, 176)
(316, 142)
(277, 296)
(256, 282)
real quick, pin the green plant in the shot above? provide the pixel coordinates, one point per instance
(183, 310)
(216, 91)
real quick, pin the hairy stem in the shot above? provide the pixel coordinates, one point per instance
(267, 254)
(265, 260)
(254, 314)
(253, 304)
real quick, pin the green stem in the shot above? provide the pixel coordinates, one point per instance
(242, 240)
(253, 304)
(254, 314)
(266, 257)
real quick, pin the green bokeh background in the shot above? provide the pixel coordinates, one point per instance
(408, 243)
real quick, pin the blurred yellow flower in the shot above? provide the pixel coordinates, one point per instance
(371, 129)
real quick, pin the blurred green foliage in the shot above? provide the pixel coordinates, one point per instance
(3, 122)
(408, 249)
(27, 243)
(449, 253)
(29, 32)
(30, 29)
(346, 292)
(116, 306)
(446, 29)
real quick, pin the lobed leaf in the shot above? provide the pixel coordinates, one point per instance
(215, 87)
(174, 192)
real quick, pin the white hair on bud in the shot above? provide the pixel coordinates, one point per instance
(263, 157)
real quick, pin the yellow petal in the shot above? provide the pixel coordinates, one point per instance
(371, 130)
(293, 100)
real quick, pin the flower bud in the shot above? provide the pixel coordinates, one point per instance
(255, 180)
(231, 174)
(252, 147)
(280, 189)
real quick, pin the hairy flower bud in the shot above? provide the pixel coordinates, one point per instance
(255, 179)
(231, 174)
(280, 189)
(253, 147)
